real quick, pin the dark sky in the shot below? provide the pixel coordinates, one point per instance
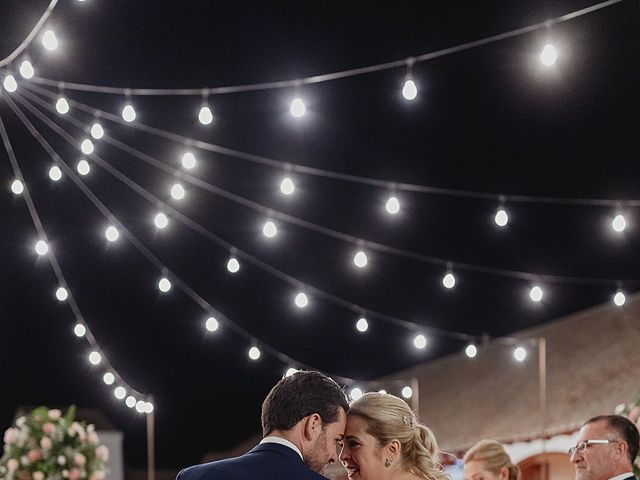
(490, 119)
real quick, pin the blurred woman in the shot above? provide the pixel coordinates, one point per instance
(487, 460)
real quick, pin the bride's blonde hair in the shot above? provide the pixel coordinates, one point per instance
(387, 418)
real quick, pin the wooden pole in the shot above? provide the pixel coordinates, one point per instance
(151, 466)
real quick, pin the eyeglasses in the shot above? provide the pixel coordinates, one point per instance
(582, 445)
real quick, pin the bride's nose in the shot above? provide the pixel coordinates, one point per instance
(344, 454)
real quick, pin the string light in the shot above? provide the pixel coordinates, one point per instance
(108, 378)
(205, 116)
(164, 285)
(130, 401)
(392, 206)
(149, 408)
(286, 186)
(269, 229)
(409, 90)
(549, 55)
(619, 223)
(55, 173)
(520, 354)
(120, 393)
(362, 325)
(141, 406)
(128, 113)
(41, 247)
(160, 220)
(407, 392)
(382, 392)
(188, 160)
(49, 40)
(471, 351)
(83, 167)
(233, 265)
(212, 324)
(177, 191)
(360, 259)
(62, 294)
(17, 187)
(290, 371)
(97, 132)
(297, 108)
(355, 393)
(254, 353)
(26, 69)
(10, 84)
(111, 233)
(619, 298)
(95, 358)
(301, 300)
(535, 294)
(86, 146)
(501, 217)
(449, 280)
(62, 105)
(420, 341)
(79, 330)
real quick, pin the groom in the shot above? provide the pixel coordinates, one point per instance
(303, 421)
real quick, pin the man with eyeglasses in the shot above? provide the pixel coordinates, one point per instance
(606, 449)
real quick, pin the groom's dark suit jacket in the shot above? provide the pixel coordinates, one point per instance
(267, 461)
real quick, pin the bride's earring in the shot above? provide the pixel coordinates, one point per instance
(387, 462)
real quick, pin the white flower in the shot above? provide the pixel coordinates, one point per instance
(92, 438)
(38, 475)
(62, 460)
(65, 473)
(55, 414)
(12, 464)
(20, 421)
(79, 459)
(102, 453)
(24, 460)
(11, 436)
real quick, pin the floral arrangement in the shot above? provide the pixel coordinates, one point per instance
(45, 445)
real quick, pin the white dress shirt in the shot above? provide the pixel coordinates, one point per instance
(287, 443)
(622, 475)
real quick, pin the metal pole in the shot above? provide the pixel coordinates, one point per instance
(542, 379)
(151, 467)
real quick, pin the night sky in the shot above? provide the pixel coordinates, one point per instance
(490, 119)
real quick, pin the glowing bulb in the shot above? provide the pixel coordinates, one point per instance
(128, 113)
(160, 220)
(549, 55)
(362, 325)
(120, 393)
(148, 407)
(382, 392)
(130, 401)
(108, 378)
(501, 218)
(41, 247)
(62, 106)
(356, 393)
(449, 281)
(86, 146)
(26, 69)
(535, 294)
(55, 173)
(112, 233)
(212, 324)
(62, 294)
(301, 300)
(471, 351)
(141, 406)
(10, 83)
(269, 229)
(619, 299)
(79, 330)
(177, 191)
(407, 392)
(205, 116)
(290, 371)
(95, 358)
(254, 353)
(409, 91)
(83, 167)
(286, 186)
(233, 265)
(520, 354)
(297, 108)
(97, 131)
(49, 40)
(619, 223)
(420, 341)
(392, 206)
(17, 187)
(188, 161)
(164, 285)
(360, 259)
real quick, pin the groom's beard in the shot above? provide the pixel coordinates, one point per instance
(317, 458)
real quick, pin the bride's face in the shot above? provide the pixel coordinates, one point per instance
(361, 455)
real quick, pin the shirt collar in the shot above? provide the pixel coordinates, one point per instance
(287, 443)
(622, 476)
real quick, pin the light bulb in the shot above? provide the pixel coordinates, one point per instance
(619, 223)
(79, 330)
(164, 285)
(449, 281)
(286, 186)
(471, 351)
(120, 393)
(55, 173)
(233, 265)
(407, 392)
(520, 354)
(392, 206)
(62, 294)
(49, 40)
(128, 113)
(148, 408)
(86, 146)
(97, 131)
(549, 55)
(83, 167)
(26, 69)
(362, 325)
(290, 371)
(160, 220)
(112, 233)
(17, 187)
(177, 192)
(62, 105)
(535, 293)
(108, 378)
(254, 353)
(212, 324)
(420, 341)
(130, 401)
(95, 358)
(297, 108)
(41, 247)
(360, 259)
(382, 392)
(188, 160)
(301, 300)
(205, 116)
(355, 393)
(619, 299)
(501, 218)
(409, 91)
(10, 84)
(269, 229)
(141, 406)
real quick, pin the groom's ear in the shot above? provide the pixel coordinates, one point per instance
(312, 426)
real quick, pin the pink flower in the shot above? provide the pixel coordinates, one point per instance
(11, 436)
(38, 476)
(634, 414)
(12, 464)
(48, 428)
(74, 474)
(79, 459)
(55, 414)
(34, 455)
(99, 475)
(102, 453)
(45, 443)
(92, 438)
